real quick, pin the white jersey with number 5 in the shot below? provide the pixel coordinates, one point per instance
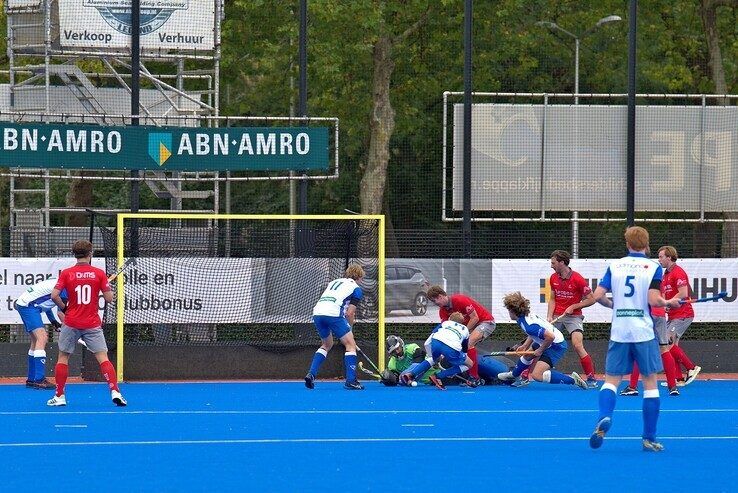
(629, 280)
(336, 297)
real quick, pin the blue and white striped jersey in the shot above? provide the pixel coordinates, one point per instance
(39, 295)
(536, 327)
(336, 297)
(629, 280)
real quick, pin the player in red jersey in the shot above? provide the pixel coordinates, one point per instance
(675, 285)
(477, 319)
(569, 294)
(83, 284)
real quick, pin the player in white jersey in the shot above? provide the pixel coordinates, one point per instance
(333, 315)
(634, 282)
(546, 341)
(448, 341)
(30, 305)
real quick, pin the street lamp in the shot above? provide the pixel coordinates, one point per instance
(577, 39)
(555, 27)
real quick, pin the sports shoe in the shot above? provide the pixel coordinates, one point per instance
(506, 376)
(520, 382)
(598, 435)
(652, 446)
(118, 399)
(437, 382)
(57, 400)
(406, 378)
(692, 374)
(578, 381)
(42, 385)
(310, 381)
(29, 384)
(355, 385)
(629, 391)
(592, 382)
(674, 391)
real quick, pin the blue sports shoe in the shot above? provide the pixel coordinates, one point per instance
(598, 436)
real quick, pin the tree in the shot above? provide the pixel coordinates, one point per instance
(708, 13)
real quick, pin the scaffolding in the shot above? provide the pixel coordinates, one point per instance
(55, 83)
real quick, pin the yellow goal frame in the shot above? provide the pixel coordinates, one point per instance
(120, 231)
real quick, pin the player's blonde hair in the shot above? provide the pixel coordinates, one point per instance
(517, 303)
(456, 317)
(636, 238)
(355, 272)
(670, 252)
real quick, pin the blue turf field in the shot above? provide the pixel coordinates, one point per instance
(282, 437)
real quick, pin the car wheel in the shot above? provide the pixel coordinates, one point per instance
(420, 304)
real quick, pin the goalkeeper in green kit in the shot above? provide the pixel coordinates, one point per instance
(403, 358)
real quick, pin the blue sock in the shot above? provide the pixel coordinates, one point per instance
(607, 401)
(39, 365)
(651, 407)
(318, 359)
(349, 360)
(31, 366)
(519, 368)
(421, 368)
(449, 372)
(558, 377)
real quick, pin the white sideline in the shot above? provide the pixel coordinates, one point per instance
(345, 440)
(360, 411)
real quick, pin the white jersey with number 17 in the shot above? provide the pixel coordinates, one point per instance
(629, 280)
(336, 297)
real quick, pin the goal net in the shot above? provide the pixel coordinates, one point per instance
(209, 296)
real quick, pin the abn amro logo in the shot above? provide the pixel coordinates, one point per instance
(160, 147)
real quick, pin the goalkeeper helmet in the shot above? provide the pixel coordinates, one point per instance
(395, 346)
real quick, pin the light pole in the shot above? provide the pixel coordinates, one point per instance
(577, 39)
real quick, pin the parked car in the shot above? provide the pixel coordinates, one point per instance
(406, 287)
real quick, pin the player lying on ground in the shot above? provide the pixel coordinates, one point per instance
(544, 339)
(448, 341)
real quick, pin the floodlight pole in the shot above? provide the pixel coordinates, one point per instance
(577, 39)
(302, 105)
(135, 99)
(466, 178)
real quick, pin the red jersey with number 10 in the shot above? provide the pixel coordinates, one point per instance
(465, 305)
(568, 291)
(83, 283)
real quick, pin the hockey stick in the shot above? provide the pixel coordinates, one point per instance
(558, 318)
(511, 353)
(371, 363)
(129, 262)
(368, 371)
(719, 296)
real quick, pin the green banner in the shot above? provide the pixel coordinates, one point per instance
(164, 148)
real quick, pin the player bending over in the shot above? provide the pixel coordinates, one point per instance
(546, 341)
(333, 315)
(448, 341)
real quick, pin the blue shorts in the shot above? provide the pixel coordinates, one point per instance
(621, 355)
(553, 354)
(31, 317)
(450, 356)
(338, 326)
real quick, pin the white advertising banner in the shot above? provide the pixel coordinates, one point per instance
(188, 290)
(18, 274)
(707, 277)
(23, 4)
(165, 24)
